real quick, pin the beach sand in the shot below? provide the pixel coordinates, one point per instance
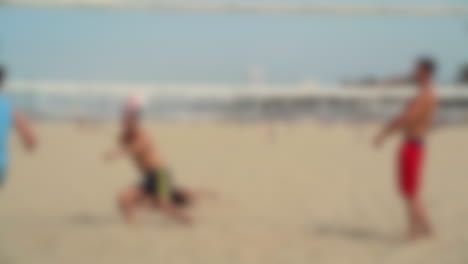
(311, 194)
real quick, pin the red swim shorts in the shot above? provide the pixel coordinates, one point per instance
(411, 158)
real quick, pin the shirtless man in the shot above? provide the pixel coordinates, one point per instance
(155, 188)
(415, 123)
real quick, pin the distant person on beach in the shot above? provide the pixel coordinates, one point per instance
(415, 123)
(156, 189)
(9, 117)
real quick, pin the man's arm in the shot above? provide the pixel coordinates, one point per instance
(24, 130)
(134, 147)
(412, 111)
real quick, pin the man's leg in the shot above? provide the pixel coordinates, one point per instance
(168, 207)
(411, 159)
(419, 225)
(162, 196)
(191, 196)
(128, 201)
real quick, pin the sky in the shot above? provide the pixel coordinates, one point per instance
(91, 45)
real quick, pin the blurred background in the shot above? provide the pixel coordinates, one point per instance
(230, 59)
(270, 104)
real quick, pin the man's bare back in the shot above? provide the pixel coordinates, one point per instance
(140, 146)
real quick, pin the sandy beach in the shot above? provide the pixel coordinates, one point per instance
(307, 194)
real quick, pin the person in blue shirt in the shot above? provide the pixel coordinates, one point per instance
(9, 118)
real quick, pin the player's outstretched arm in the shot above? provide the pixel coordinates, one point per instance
(24, 130)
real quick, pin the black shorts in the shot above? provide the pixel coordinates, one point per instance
(157, 183)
